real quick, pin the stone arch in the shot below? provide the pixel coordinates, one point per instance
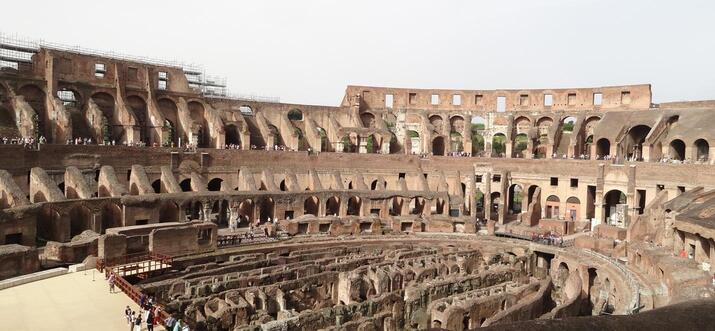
(111, 216)
(521, 142)
(367, 119)
(245, 211)
(233, 137)
(48, 224)
(543, 124)
(633, 144)
(295, 114)
(522, 125)
(215, 184)
(437, 123)
(35, 97)
(170, 111)
(516, 197)
(413, 143)
(138, 107)
(438, 147)
(552, 206)
(417, 205)
(185, 185)
(311, 205)
(395, 206)
(498, 145)
(478, 127)
(611, 200)
(80, 220)
(266, 209)
(355, 206)
(702, 150)
(197, 112)
(603, 148)
(332, 206)
(156, 186)
(677, 150)
(573, 205)
(168, 212)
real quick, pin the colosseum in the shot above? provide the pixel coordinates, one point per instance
(397, 209)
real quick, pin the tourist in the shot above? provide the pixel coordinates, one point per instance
(138, 322)
(177, 326)
(128, 315)
(150, 320)
(111, 283)
(142, 300)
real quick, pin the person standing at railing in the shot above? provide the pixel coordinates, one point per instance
(111, 281)
(150, 320)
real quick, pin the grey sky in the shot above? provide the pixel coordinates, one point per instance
(308, 51)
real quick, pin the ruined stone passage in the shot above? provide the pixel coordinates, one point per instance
(398, 209)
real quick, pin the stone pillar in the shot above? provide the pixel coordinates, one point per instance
(631, 194)
(487, 178)
(503, 191)
(509, 148)
(472, 191)
(598, 204)
(645, 153)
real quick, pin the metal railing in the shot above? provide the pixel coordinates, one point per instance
(632, 283)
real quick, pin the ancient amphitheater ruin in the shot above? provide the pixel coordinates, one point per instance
(398, 209)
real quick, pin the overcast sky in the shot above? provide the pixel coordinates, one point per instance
(308, 51)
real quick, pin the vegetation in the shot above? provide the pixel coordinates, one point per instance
(499, 144)
(568, 126)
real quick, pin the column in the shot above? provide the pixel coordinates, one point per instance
(487, 178)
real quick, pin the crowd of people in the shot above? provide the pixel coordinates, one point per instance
(547, 239)
(27, 142)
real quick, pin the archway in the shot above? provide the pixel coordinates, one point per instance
(245, 212)
(310, 205)
(702, 150)
(332, 206)
(105, 103)
(615, 205)
(633, 147)
(80, 220)
(48, 223)
(215, 184)
(111, 216)
(233, 138)
(168, 212)
(498, 145)
(553, 204)
(396, 206)
(414, 144)
(496, 200)
(354, 206)
(521, 142)
(266, 210)
(368, 120)
(295, 115)
(573, 205)
(35, 97)
(156, 186)
(478, 127)
(437, 123)
(185, 185)
(677, 150)
(603, 148)
(417, 206)
(516, 198)
(137, 106)
(168, 109)
(438, 146)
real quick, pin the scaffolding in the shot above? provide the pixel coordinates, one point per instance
(16, 52)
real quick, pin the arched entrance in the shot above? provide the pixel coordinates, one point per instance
(603, 148)
(266, 210)
(310, 205)
(498, 145)
(702, 150)
(615, 207)
(332, 206)
(553, 204)
(677, 150)
(573, 205)
(80, 220)
(516, 198)
(354, 206)
(215, 184)
(168, 212)
(111, 217)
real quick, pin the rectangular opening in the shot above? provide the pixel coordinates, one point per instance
(478, 99)
(681, 189)
(406, 226)
(478, 179)
(162, 85)
(401, 175)
(496, 178)
(163, 75)
(548, 100)
(289, 215)
(524, 100)
(641, 201)
(659, 187)
(597, 99)
(324, 227)
(625, 97)
(425, 174)
(375, 211)
(141, 222)
(554, 181)
(574, 182)
(133, 74)
(412, 99)
(389, 100)
(99, 70)
(434, 99)
(13, 238)
(501, 104)
(204, 235)
(571, 99)
(453, 212)
(457, 100)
